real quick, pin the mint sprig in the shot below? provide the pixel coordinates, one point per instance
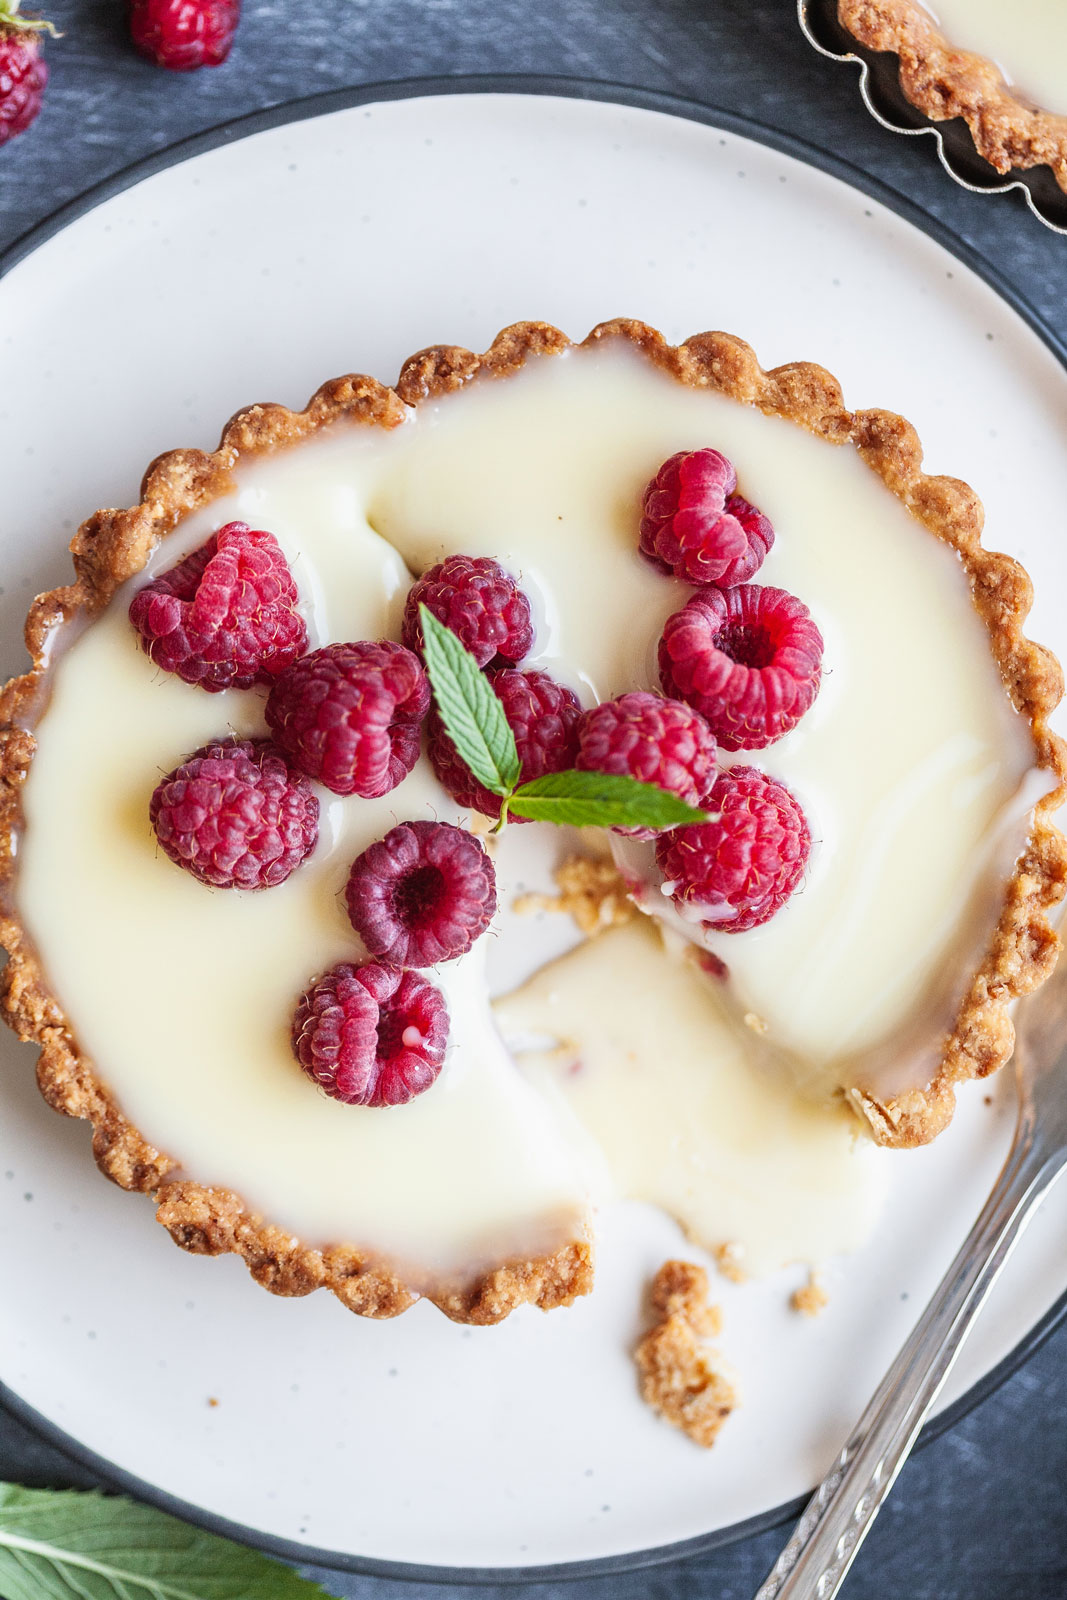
(475, 722)
(88, 1546)
(473, 716)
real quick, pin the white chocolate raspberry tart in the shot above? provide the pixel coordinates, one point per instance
(270, 1031)
(1001, 68)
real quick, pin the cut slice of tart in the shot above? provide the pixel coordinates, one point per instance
(1002, 68)
(928, 774)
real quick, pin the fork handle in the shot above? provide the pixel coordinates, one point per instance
(836, 1519)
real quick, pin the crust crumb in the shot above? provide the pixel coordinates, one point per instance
(593, 892)
(755, 1022)
(730, 1260)
(811, 1298)
(681, 1376)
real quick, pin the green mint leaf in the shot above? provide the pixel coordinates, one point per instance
(601, 800)
(68, 1545)
(470, 711)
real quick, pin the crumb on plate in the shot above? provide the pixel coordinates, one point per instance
(730, 1261)
(810, 1298)
(681, 1376)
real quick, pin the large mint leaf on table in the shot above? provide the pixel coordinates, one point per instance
(473, 716)
(68, 1545)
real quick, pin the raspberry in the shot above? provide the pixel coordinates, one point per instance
(695, 527)
(749, 659)
(23, 74)
(225, 617)
(422, 894)
(235, 816)
(738, 871)
(184, 34)
(480, 602)
(543, 715)
(371, 1035)
(350, 715)
(644, 736)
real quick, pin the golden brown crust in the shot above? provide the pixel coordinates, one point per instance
(944, 82)
(680, 1376)
(112, 546)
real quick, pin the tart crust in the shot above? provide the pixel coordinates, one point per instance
(943, 82)
(114, 545)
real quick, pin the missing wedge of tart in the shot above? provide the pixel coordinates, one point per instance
(386, 1144)
(1002, 69)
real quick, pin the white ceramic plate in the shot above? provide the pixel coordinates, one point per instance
(253, 270)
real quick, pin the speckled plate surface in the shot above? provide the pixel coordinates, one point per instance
(340, 236)
(879, 83)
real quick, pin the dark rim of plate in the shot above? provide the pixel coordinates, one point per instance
(729, 122)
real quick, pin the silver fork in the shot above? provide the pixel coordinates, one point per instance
(838, 1516)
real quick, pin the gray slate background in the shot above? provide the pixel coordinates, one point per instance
(980, 1514)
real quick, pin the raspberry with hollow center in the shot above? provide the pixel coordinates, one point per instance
(371, 1035)
(644, 736)
(694, 526)
(749, 659)
(737, 872)
(225, 617)
(480, 602)
(543, 716)
(422, 894)
(350, 715)
(235, 816)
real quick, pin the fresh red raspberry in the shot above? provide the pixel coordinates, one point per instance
(184, 34)
(371, 1035)
(644, 736)
(543, 715)
(225, 617)
(350, 715)
(738, 871)
(695, 527)
(749, 659)
(480, 602)
(235, 816)
(422, 894)
(23, 74)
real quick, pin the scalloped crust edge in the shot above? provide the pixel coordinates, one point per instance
(114, 545)
(943, 82)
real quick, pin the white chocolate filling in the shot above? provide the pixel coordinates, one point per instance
(1027, 39)
(683, 1110)
(905, 765)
